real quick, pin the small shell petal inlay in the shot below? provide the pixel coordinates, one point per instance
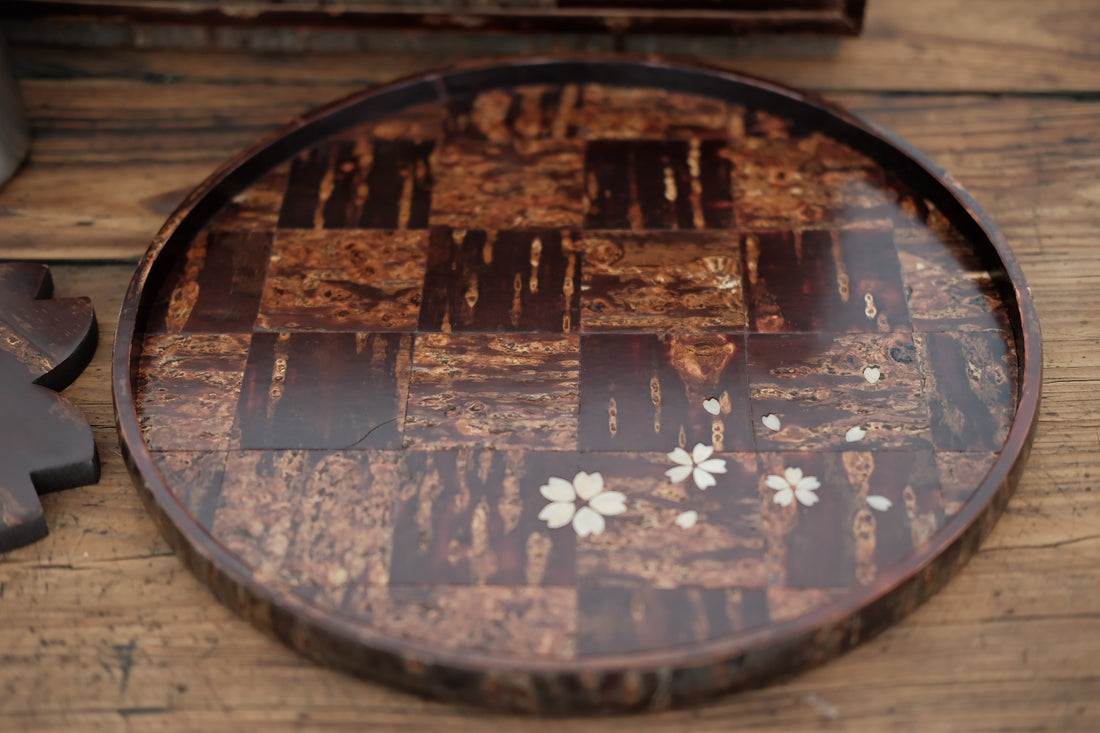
(855, 434)
(879, 503)
(687, 519)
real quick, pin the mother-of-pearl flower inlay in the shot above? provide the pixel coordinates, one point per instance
(698, 464)
(588, 487)
(793, 485)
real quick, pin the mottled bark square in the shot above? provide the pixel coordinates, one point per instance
(494, 391)
(187, 388)
(820, 386)
(316, 521)
(360, 280)
(508, 185)
(644, 547)
(673, 282)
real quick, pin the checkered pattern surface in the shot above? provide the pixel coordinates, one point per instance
(360, 374)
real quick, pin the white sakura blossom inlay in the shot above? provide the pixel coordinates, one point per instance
(687, 520)
(712, 406)
(698, 464)
(879, 503)
(771, 422)
(587, 487)
(872, 374)
(856, 434)
(793, 485)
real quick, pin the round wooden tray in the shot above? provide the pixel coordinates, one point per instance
(564, 385)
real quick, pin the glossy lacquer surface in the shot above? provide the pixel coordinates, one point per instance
(561, 387)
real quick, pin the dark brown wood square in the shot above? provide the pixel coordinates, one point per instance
(847, 280)
(187, 388)
(217, 287)
(360, 184)
(514, 281)
(816, 392)
(257, 207)
(657, 184)
(460, 617)
(662, 282)
(647, 392)
(970, 379)
(503, 116)
(275, 528)
(357, 280)
(646, 548)
(486, 185)
(836, 519)
(471, 517)
(481, 390)
(297, 383)
(786, 603)
(629, 619)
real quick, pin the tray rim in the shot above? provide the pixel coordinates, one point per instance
(823, 633)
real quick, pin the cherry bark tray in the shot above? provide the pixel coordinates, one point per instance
(577, 385)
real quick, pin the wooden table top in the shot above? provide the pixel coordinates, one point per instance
(103, 627)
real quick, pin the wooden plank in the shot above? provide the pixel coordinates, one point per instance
(935, 45)
(123, 153)
(1010, 644)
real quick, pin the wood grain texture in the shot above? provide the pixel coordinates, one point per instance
(990, 45)
(104, 629)
(151, 147)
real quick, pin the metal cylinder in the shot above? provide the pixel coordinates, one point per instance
(14, 127)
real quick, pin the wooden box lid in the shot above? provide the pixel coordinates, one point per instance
(837, 17)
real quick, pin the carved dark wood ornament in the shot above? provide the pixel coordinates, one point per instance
(45, 442)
